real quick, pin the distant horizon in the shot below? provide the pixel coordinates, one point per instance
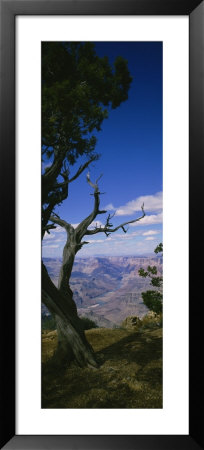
(146, 255)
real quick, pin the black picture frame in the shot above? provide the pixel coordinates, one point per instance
(9, 9)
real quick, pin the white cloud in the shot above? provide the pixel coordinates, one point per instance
(109, 207)
(48, 236)
(151, 203)
(150, 238)
(58, 229)
(134, 233)
(150, 232)
(47, 242)
(149, 220)
(96, 241)
(52, 246)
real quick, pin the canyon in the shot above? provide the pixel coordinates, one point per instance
(107, 289)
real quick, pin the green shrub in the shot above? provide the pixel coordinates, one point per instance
(153, 301)
(48, 323)
(87, 323)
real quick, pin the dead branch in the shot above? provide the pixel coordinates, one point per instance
(48, 228)
(62, 223)
(93, 185)
(82, 168)
(107, 229)
(82, 228)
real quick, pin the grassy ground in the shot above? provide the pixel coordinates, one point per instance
(129, 376)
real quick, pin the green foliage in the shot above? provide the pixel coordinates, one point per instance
(153, 299)
(142, 273)
(48, 323)
(159, 248)
(157, 281)
(87, 323)
(150, 271)
(78, 90)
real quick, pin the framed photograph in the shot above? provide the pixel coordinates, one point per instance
(108, 96)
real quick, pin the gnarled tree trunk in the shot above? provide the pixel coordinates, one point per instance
(72, 343)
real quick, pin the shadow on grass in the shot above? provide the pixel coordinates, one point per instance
(129, 376)
(135, 348)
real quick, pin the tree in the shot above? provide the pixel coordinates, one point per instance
(153, 299)
(73, 244)
(78, 90)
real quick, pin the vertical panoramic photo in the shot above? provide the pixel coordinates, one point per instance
(102, 245)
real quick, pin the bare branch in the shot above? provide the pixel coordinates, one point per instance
(56, 215)
(81, 230)
(56, 198)
(82, 168)
(56, 219)
(108, 223)
(103, 211)
(94, 186)
(99, 178)
(53, 170)
(48, 228)
(65, 173)
(107, 229)
(61, 185)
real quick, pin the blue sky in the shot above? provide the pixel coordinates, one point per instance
(130, 145)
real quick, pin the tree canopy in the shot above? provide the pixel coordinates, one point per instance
(78, 90)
